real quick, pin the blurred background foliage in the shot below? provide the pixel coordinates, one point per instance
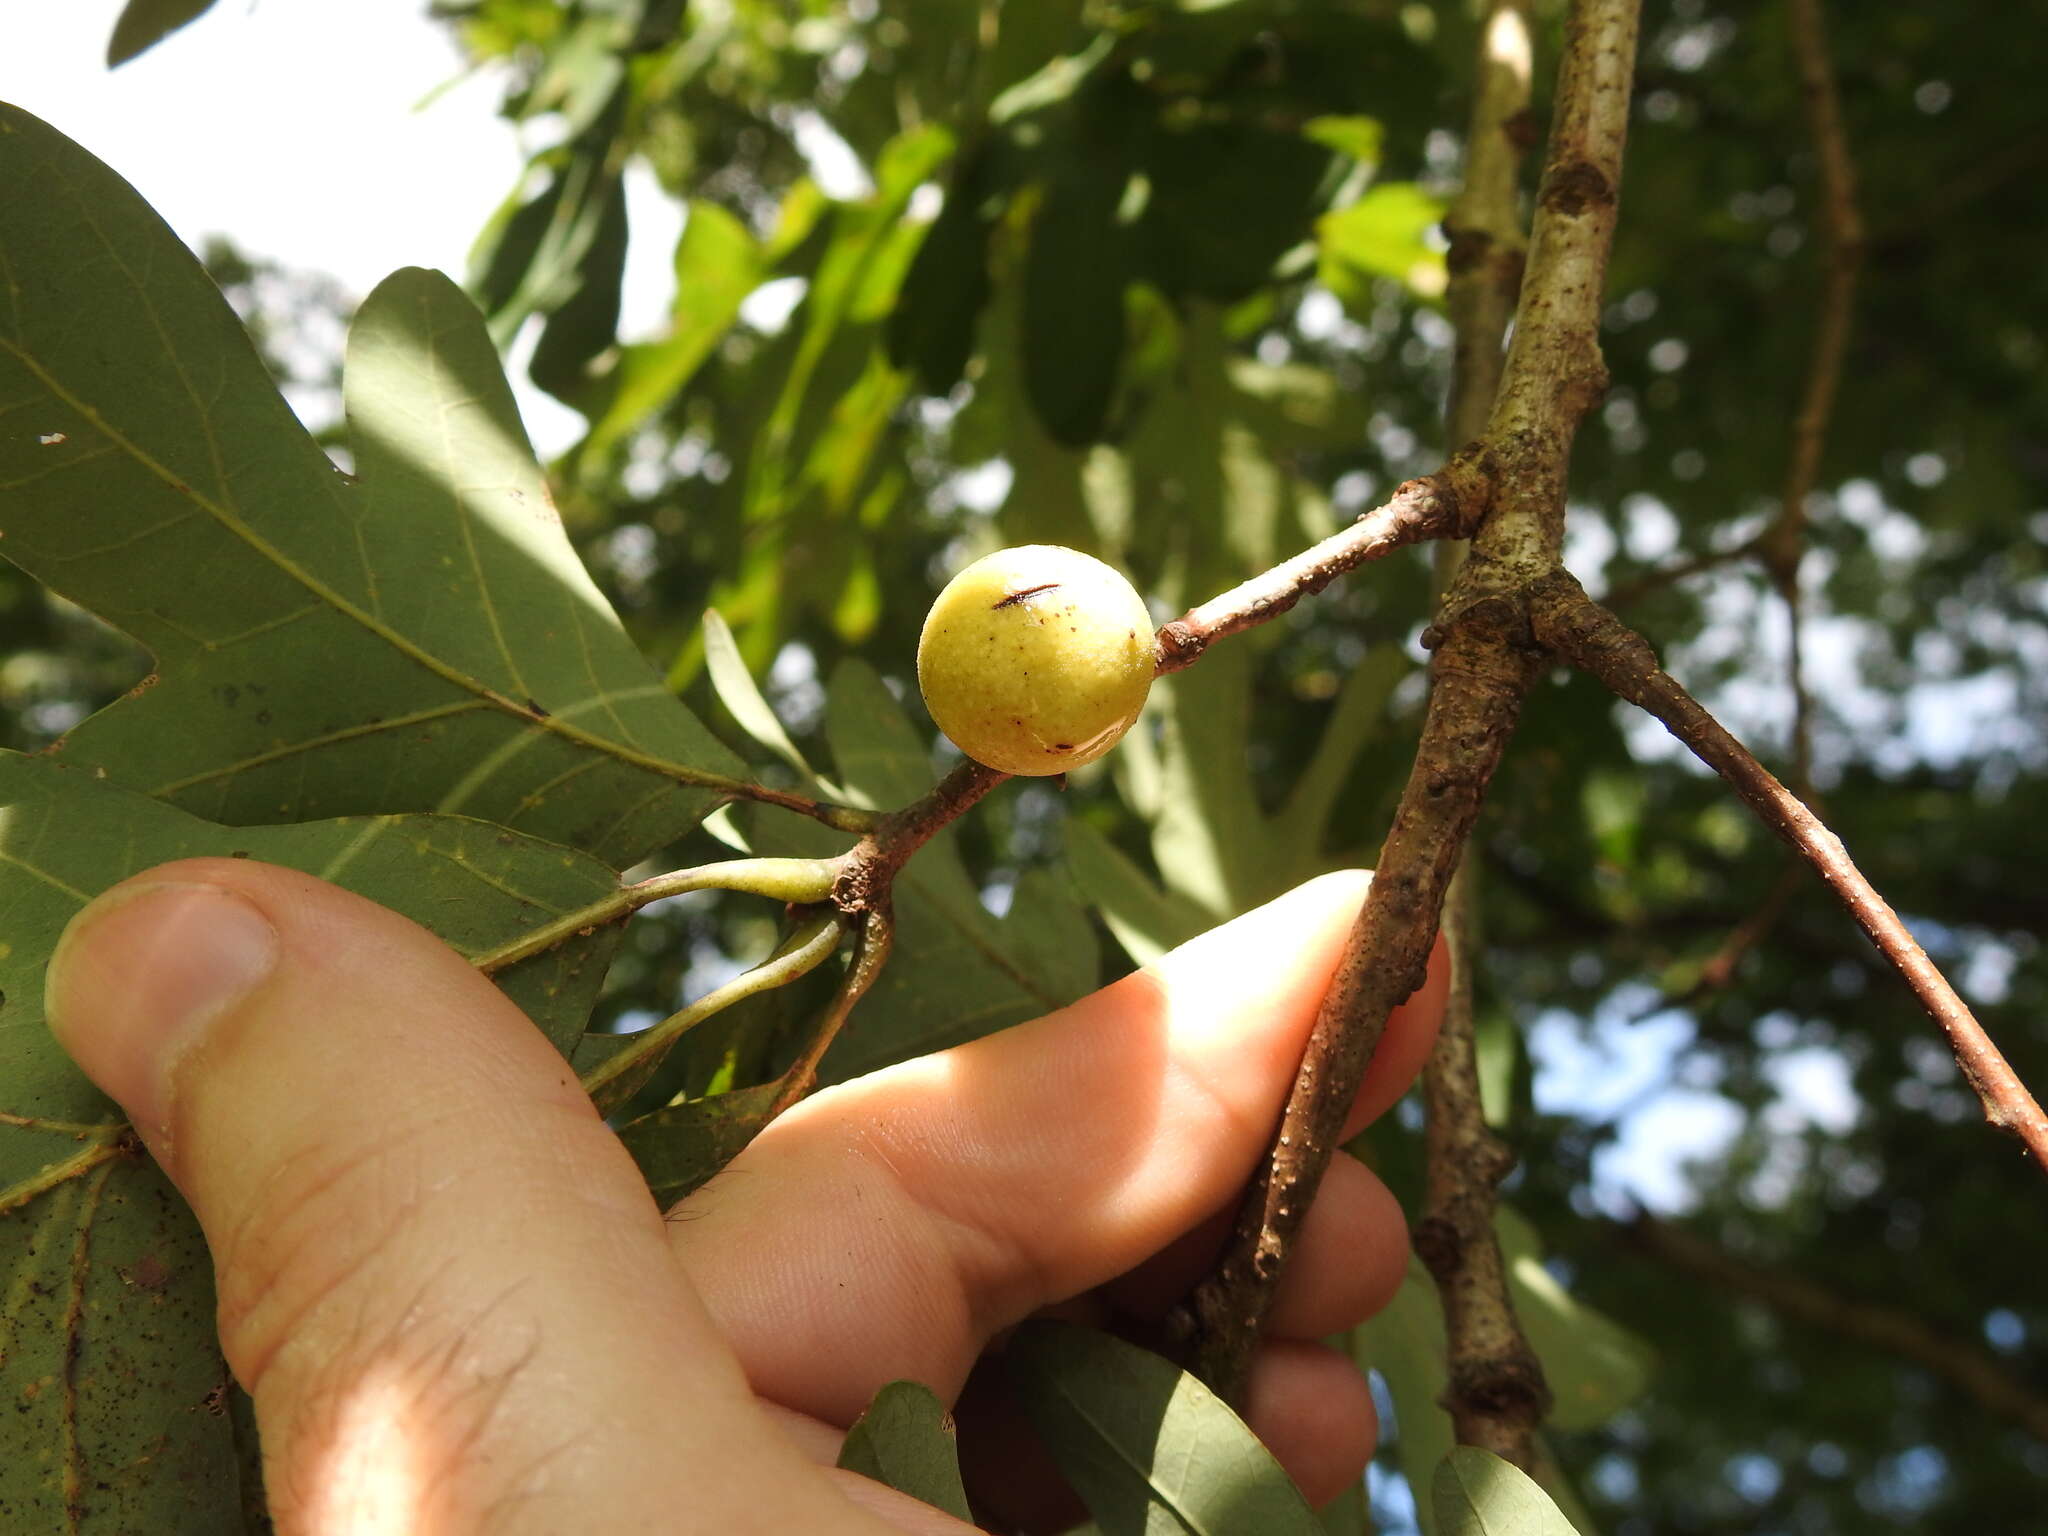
(1162, 279)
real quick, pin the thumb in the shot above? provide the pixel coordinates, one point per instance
(439, 1275)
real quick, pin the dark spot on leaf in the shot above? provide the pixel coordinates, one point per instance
(230, 695)
(238, 853)
(537, 712)
(1018, 597)
(263, 717)
(148, 1273)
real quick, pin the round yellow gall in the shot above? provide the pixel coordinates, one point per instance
(1036, 659)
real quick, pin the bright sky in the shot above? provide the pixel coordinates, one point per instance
(293, 126)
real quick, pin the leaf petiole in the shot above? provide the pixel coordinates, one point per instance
(803, 951)
(800, 882)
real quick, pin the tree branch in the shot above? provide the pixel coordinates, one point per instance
(1591, 638)
(1959, 1361)
(1483, 667)
(1484, 221)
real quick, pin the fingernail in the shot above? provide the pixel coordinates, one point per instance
(140, 974)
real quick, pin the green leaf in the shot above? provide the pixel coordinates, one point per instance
(1208, 837)
(1382, 234)
(1052, 85)
(1355, 720)
(423, 639)
(1475, 1493)
(931, 331)
(736, 690)
(865, 257)
(1358, 137)
(499, 259)
(1073, 315)
(107, 1343)
(145, 23)
(1047, 929)
(1349, 1514)
(586, 323)
(1146, 1445)
(1271, 183)
(581, 74)
(1145, 920)
(904, 1438)
(1028, 36)
(718, 263)
(681, 1147)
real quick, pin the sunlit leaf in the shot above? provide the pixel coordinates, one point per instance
(1475, 1493)
(1382, 234)
(737, 691)
(717, 264)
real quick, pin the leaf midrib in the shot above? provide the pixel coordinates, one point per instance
(229, 520)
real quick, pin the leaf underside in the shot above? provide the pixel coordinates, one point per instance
(1148, 1447)
(904, 1438)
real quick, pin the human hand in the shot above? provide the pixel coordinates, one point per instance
(458, 1309)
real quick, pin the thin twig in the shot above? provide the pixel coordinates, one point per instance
(840, 818)
(1591, 638)
(1444, 505)
(1635, 590)
(804, 951)
(870, 954)
(1717, 971)
(1958, 1360)
(1783, 544)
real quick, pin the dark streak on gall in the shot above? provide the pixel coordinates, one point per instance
(1018, 597)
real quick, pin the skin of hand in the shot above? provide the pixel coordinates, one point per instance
(458, 1309)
